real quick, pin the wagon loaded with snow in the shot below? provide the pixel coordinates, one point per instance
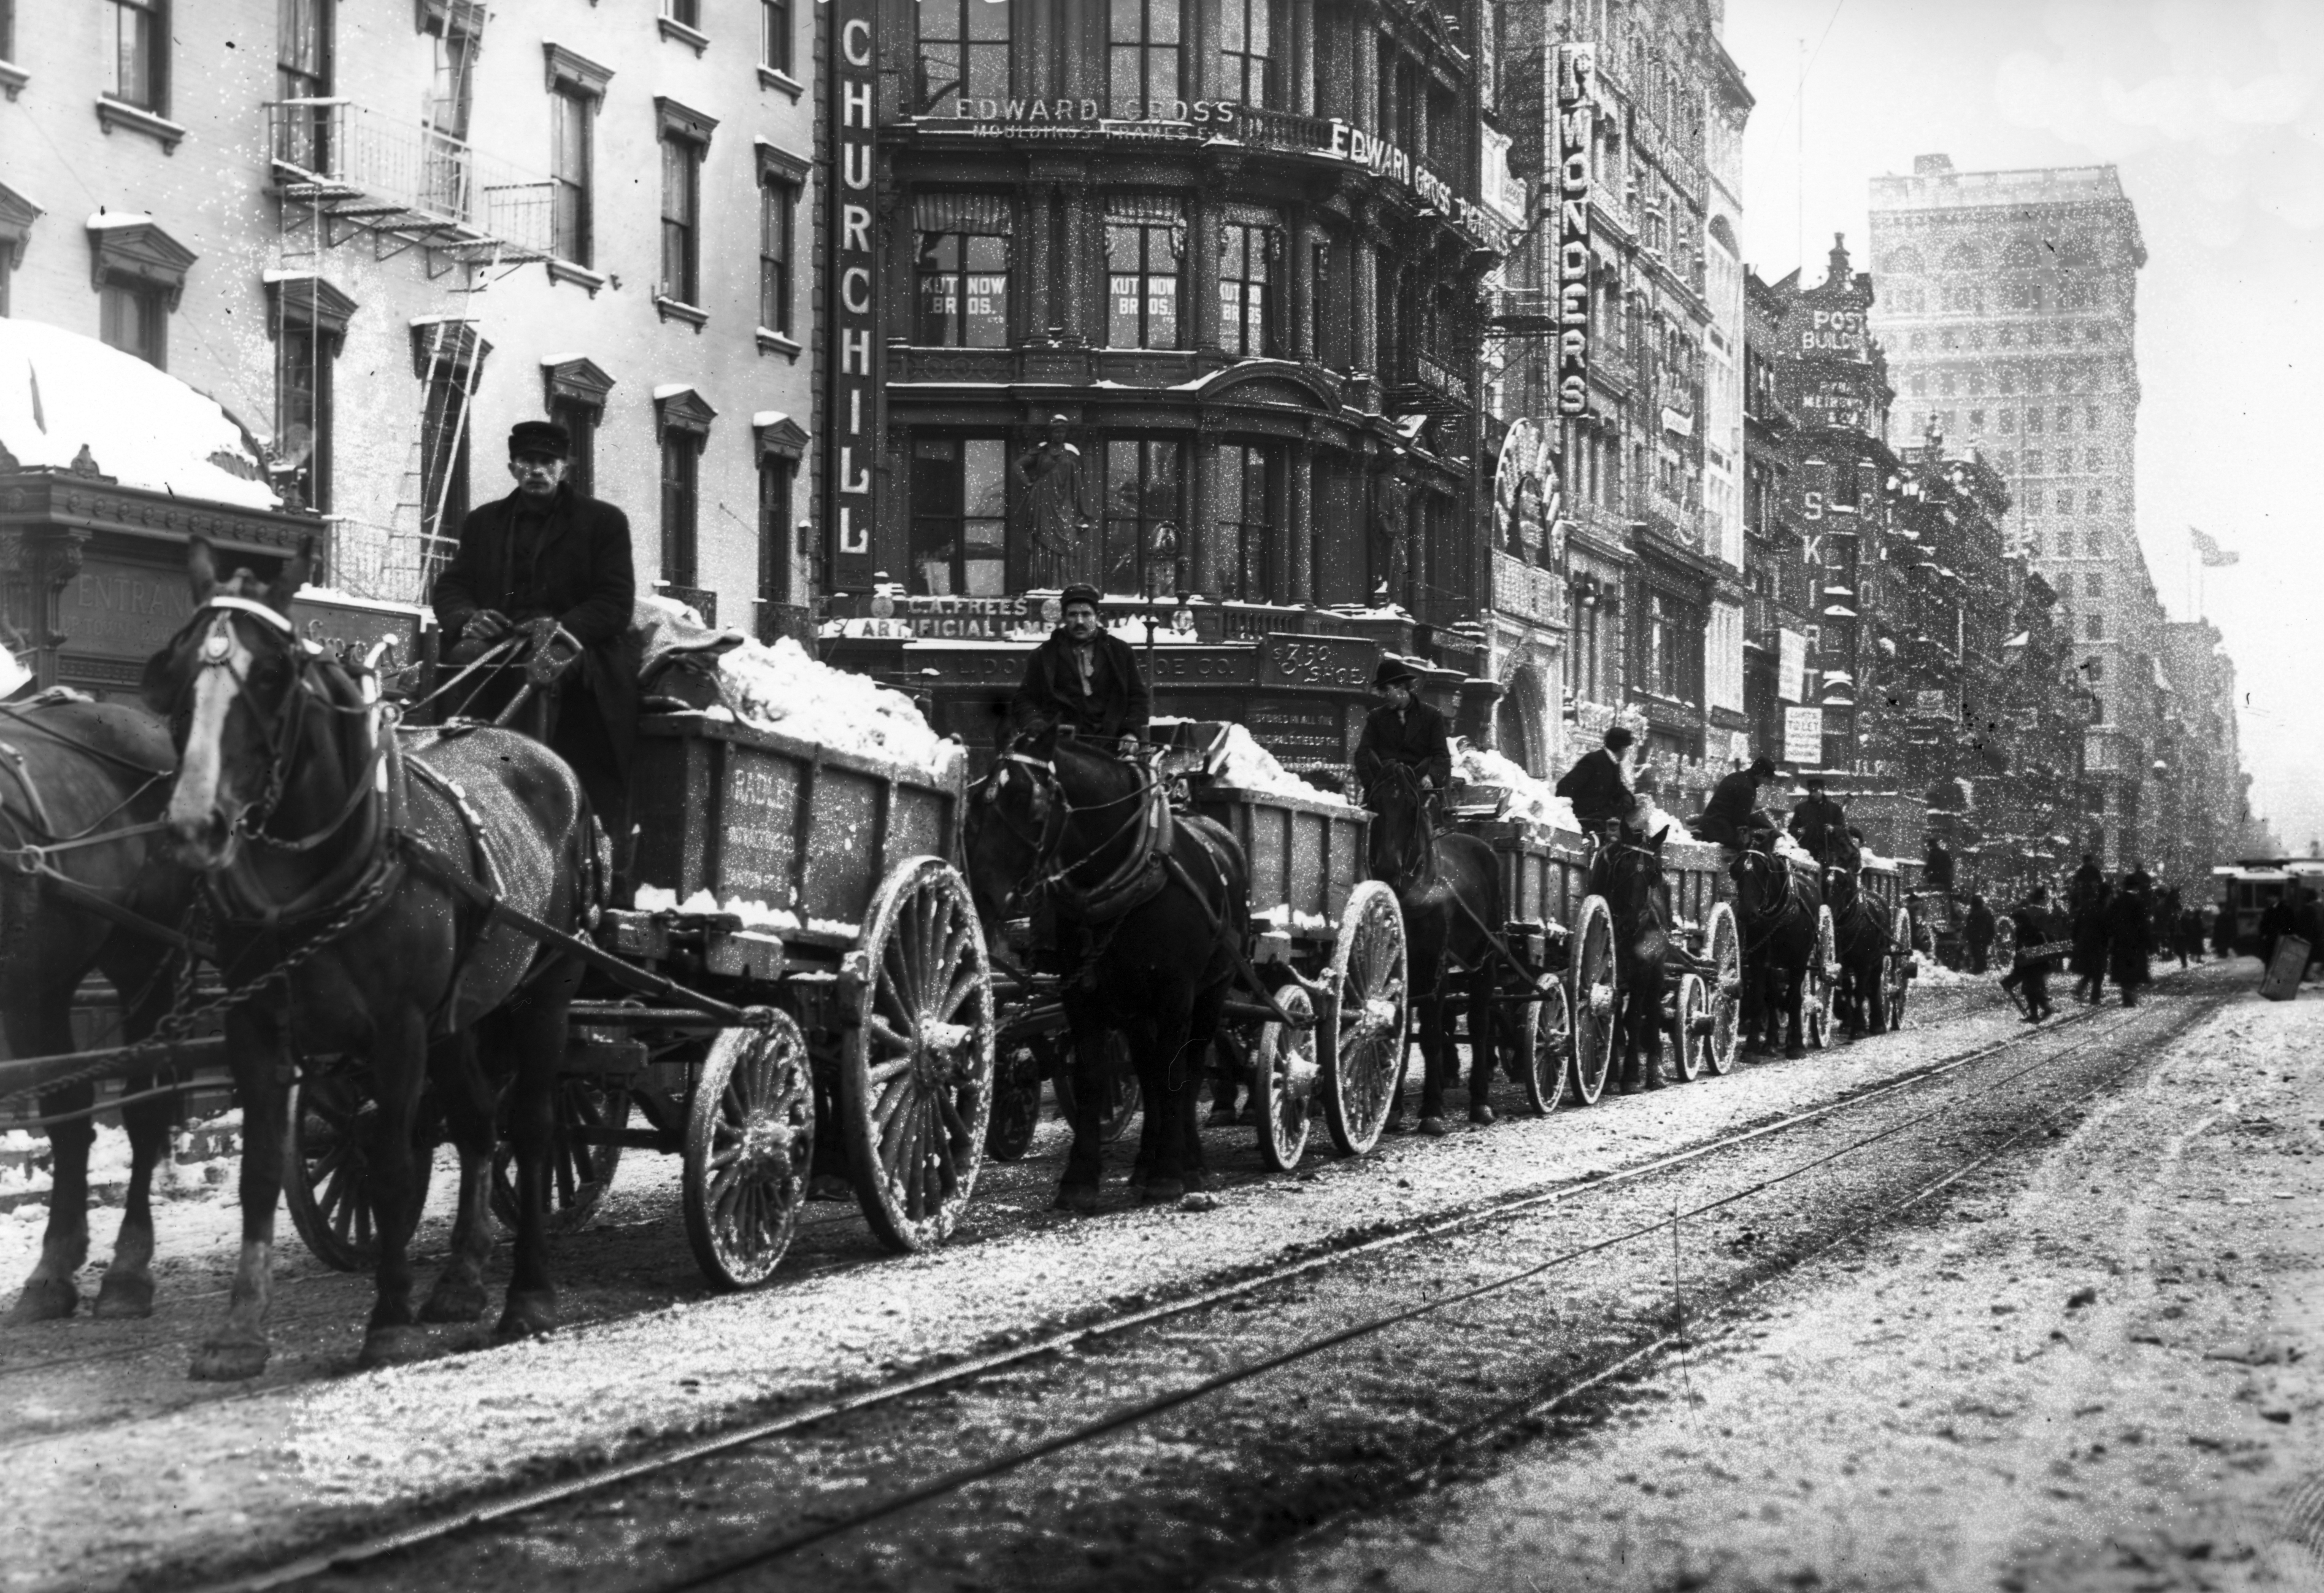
(793, 865)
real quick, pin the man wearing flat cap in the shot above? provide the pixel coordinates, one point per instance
(1402, 730)
(541, 558)
(1084, 678)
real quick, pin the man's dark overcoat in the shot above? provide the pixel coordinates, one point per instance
(1117, 703)
(1595, 787)
(1416, 737)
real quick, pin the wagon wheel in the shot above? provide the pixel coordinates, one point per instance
(579, 1174)
(1815, 982)
(2005, 942)
(1363, 1034)
(326, 1155)
(1283, 1073)
(915, 1073)
(750, 1147)
(1016, 1105)
(1690, 1022)
(1724, 991)
(1593, 997)
(1899, 969)
(1545, 1047)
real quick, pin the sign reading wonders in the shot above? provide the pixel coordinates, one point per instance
(1577, 75)
(851, 414)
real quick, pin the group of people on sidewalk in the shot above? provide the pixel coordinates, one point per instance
(2100, 931)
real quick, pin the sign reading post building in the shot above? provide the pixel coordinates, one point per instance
(1577, 82)
(851, 412)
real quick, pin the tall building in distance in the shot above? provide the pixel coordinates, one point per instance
(2009, 308)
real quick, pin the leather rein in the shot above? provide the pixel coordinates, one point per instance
(1130, 884)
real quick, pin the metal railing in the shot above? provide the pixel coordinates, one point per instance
(384, 563)
(347, 157)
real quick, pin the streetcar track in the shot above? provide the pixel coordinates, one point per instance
(1065, 1341)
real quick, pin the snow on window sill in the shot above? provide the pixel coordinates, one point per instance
(12, 79)
(115, 113)
(773, 342)
(670, 309)
(673, 29)
(565, 271)
(781, 82)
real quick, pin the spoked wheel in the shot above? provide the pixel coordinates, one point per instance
(1724, 990)
(1284, 1075)
(1691, 1026)
(1899, 967)
(579, 1172)
(749, 1147)
(1016, 1105)
(1363, 1034)
(2005, 942)
(915, 1072)
(1593, 997)
(326, 1172)
(1816, 983)
(1545, 1047)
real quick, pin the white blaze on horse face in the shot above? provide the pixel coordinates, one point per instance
(195, 801)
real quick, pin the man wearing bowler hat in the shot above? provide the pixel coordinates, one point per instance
(542, 558)
(1402, 730)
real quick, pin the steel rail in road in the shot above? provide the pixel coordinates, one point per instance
(348, 1557)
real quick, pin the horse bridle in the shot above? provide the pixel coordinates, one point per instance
(1043, 773)
(1610, 853)
(1421, 858)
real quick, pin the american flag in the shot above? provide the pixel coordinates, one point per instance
(2212, 555)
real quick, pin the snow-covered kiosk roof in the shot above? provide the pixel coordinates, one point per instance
(107, 466)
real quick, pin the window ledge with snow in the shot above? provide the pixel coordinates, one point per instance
(671, 28)
(12, 79)
(782, 83)
(566, 271)
(771, 341)
(670, 309)
(115, 113)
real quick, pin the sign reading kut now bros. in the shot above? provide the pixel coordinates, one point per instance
(1577, 82)
(851, 417)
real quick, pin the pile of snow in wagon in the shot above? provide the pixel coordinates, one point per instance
(779, 687)
(1241, 761)
(1529, 801)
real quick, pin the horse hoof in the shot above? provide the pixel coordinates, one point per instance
(1195, 1200)
(1224, 1116)
(1197, 1179)
(451, 1301)
(1482, 1117)
(228, 1360)
(1081, 1200)
(1434, 1127)
(44, 1299)
(527, 1316)
(391, 1346)
(1795, 1053)
(124, 1298)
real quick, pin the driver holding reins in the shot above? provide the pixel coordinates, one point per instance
(1402, 730)
(542, 558)
(1084, 678)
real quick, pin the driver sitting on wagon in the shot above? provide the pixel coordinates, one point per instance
(1402, 730)
(1085, 680)
(1732, 817)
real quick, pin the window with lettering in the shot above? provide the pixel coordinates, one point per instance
(1248, 251)
(1145, 248)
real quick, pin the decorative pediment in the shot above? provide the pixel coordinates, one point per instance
(134, 250)
(447, 344)
(574, 379)
(680, 121)
(782, 165)
(779, 435)
(306, 299)
(682, 408)
(1275, 381)
(576, 73)
(18, 215)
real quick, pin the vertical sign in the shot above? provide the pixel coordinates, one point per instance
(1577, 75)
(851, 425)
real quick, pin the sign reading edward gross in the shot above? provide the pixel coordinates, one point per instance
(1577, 74)
(851, 416)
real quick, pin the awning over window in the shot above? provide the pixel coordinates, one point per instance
(987, 214)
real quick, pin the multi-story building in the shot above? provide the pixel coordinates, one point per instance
(1654, 573)
(2206, 770)
(2009, 307)
(379, 243)
(1781, 613)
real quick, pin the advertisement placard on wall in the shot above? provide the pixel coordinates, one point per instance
(1803, 736)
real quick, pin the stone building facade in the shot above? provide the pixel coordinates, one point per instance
(382, 231)
(2008, 306)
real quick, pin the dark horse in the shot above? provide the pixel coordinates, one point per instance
(330, 848)
(1627, 872)
(1776, 908)
(1861, 940)
(1149, 902)
(82, 786)
(1449, 887)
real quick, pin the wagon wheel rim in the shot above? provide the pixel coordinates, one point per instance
(1285, 1073)
(1016, 1105)
(749, 1149)
(1364, 1042)
(917, 1086)
(1725, 991)
(1691, 1005)
(328, 1183)
(579, 1174)
(1593, 998)
(1549, 1042)
(1900, 987)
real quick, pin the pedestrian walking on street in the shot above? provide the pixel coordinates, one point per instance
(2223, 932)
(2275, 923)
(2130, 938)
(2089, 883)
(2037, 937)
(1978, 931)
(2089, 941)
